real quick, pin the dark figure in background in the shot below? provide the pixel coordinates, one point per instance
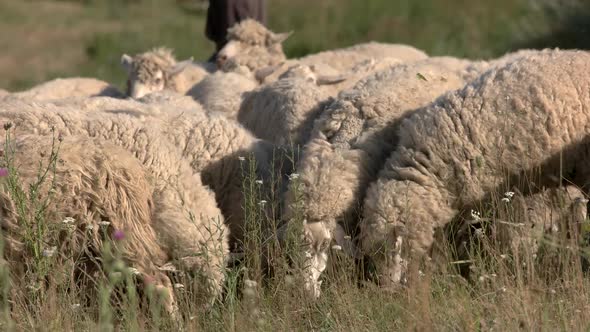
(223, 14)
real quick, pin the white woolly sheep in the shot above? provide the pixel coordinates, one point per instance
(528, 116)
(222, 92)
(60, 88)
(195, 224)
(157, 70)
(252, 45)
(354, 135)
(94, 182)
(211, 144)
(283, 112)
(344, 59)
(518, 224)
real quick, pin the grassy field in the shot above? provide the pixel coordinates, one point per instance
(44, 39)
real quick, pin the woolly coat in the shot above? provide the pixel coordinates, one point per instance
(94, 182)
(60, 88)
(354, 135)
(189, 222)
(516, 122)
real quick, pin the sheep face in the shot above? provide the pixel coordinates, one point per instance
(317, 238)
(250, 39)
(150, 72)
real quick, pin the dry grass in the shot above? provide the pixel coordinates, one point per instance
(506, 290)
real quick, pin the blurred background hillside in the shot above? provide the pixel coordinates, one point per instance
(44, 39)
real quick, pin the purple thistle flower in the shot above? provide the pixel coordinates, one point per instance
(3, 171)
(118, 235)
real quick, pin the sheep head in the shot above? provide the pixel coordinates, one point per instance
(317, 239)
(253, 45)
(151, 71)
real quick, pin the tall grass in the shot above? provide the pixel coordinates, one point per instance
(506, 288)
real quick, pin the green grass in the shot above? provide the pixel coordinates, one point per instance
(45, 39)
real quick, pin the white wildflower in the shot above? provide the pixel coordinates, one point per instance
(241, 158)
(293, 176)
(262, 202)
(179, 286)
(509, 194)
(481, 278)
(336, 247)
(503, 289)
(259, 182)
(347, 237)
(49, 251)
(475, 215)
(420, 273)
(552, 291)
(134, 271)
(68, 220)
(503, 256)
(479, 232)
(506, 200)
(75, 306)
(103, 223)
(534, 256)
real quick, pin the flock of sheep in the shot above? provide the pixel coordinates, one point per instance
(395, 145)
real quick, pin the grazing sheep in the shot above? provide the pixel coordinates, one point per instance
(211, 144)
(70, 87)
(525, 117)
(94, 182)
(196, 222)
(355, 134)
(157, 70)
(222, 92)
(514, 224)
(283, 112)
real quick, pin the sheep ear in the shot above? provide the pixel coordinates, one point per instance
(126, 62)
(345, 242)
(278, 38)
(263, 73)
(180, 66)
(326, 80)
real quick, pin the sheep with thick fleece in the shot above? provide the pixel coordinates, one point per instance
(211, 144)
(223, 92)
(158, 70)
(345, 58)
(94, 182)
(196, 224)
(60, 88)
(355, 134)
(252, 45)
(519, 224)
(283, 112)
(528, 116)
